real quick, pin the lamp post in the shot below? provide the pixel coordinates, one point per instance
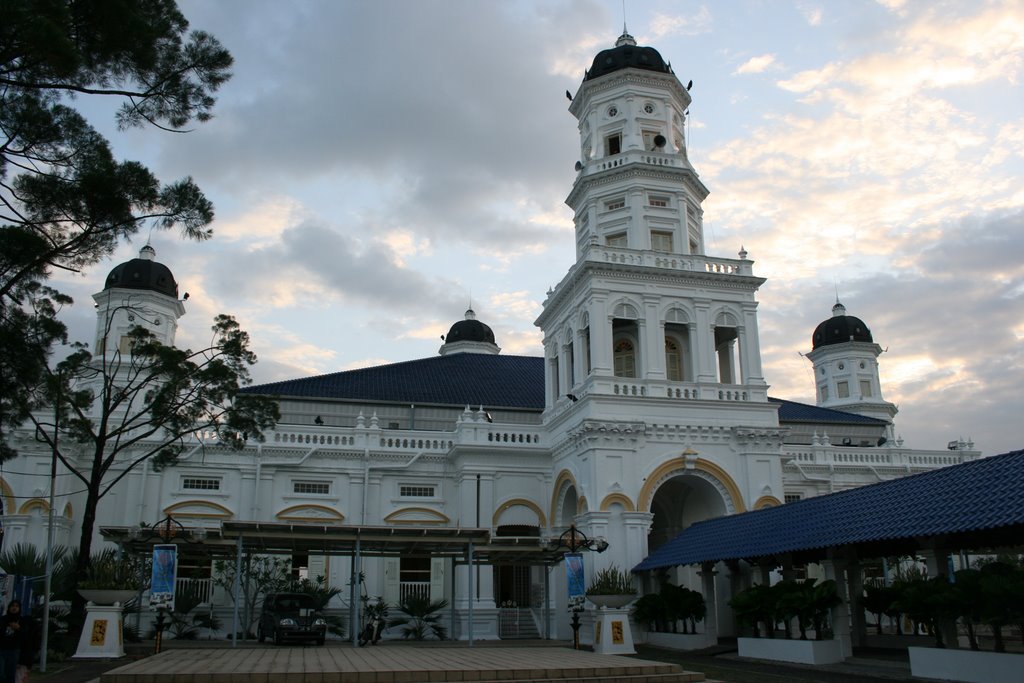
(575, 540)
(167, 529)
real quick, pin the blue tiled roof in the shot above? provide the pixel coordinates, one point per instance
(791, 411)
(984, 495)
(495, 381)
(475, 379)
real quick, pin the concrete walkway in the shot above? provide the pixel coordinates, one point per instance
(406, 664)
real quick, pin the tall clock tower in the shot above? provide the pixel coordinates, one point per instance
(656, 401)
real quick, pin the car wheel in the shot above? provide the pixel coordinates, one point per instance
(260, 635)
(278, 640)
(320, 641)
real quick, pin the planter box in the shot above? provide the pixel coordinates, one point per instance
(799, 651)
(966, 665)
(681, 641)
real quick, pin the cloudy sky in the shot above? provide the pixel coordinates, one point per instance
(378, 165)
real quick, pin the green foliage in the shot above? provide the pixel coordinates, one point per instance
(683, 605)
(651, 611)
(421, 620)
(612, 581)
(23, 559)
(65, 201)
(261, 574)
(182, 623)
(108, 571)
(808, 602)
(322, 595)
(755, 606)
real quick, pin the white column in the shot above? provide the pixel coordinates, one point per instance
(751, 346)
(600, 339)
(654, 346)
(707, 584)
(704, 344)
(834, 570)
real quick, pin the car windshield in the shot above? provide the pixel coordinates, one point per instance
(286, 603)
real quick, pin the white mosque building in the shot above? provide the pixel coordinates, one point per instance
(648, 411)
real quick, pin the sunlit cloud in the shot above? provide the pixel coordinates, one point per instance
(689, 24)
(756, 65)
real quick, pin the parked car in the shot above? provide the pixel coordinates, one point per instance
(291, 616)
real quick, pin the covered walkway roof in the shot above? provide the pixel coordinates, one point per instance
(391, 541)
(975, 505)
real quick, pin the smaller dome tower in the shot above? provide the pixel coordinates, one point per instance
(140, 292)
(469, 336)
(845, 358)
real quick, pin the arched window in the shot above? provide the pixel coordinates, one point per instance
(673, 361)
(625, 358)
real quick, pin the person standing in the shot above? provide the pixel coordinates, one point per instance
(10, 641)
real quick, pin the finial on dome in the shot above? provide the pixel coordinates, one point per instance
(625, 39)
(838, 309)
(470, 314)
(743, 253)
(148, 253)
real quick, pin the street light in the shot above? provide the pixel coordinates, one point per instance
(167, 530)
(575, 540)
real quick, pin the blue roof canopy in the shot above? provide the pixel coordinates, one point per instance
(978, 504)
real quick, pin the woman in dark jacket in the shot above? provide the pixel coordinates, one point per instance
(11, 636)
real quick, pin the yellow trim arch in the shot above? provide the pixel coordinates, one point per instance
(581, 505)
(680, 466)
(430, 516)
(563, 477)
(69, 511)
(332, 516)
(33, 504)
(541, 522)
(217, 511)
(765, 502)
(619, 498)
(7, 492)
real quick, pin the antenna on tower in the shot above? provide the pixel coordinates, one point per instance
(624, 31)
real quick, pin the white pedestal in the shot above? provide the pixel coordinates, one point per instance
(612, 633)
(101, 638)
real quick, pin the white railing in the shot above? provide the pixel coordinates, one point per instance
(695, 263)
(414, 589)
(203, 587)
(878, 456)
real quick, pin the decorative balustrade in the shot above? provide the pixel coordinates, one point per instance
(203, 588)
(414, 589)
(312, 438)
(861, 456)
(695, 263)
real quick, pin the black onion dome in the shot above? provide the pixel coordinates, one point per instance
(840, 328)
(143, 273)
(471, 330)
(626, 55)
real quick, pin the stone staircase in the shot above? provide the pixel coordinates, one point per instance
(517, 624)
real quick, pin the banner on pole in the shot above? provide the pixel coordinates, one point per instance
(165, 574)
(577, 584)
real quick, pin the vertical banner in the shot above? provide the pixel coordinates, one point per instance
(165, 573)
(577, 584)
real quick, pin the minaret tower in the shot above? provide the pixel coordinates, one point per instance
(845, 358)
(655, 398)
(139, 292)
(644, 312)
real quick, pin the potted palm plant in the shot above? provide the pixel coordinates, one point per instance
(611, 587)
(808, 602)
(994, 596)
(111, 579)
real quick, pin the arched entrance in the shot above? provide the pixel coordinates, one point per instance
(680, 501)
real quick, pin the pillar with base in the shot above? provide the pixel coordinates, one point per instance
(612, 634)
(101, 637)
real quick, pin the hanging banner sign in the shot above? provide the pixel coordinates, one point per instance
(165, 574)
(577, 584)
